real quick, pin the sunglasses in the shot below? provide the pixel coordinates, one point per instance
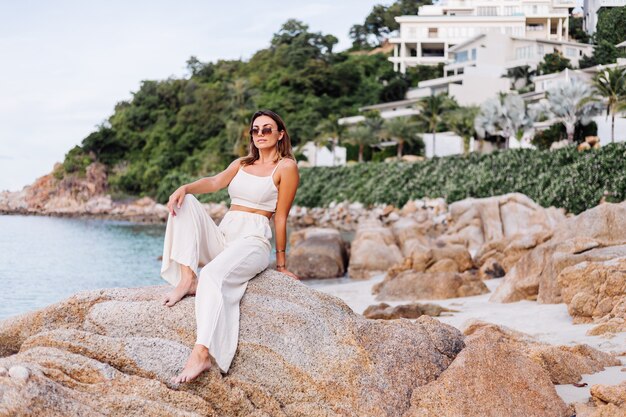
(267, 130)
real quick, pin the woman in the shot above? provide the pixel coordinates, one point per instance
(260, 185)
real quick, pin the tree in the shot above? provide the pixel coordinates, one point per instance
(554, 62)
(604, 53)
(330, 130)
(431, 109)
(361, 135)
(576, 30)
(380, 22)
(572, 102)
(610, 25)
(461, 122)
(610, 85)
(402, 130)
(505, 115)
(522, 72)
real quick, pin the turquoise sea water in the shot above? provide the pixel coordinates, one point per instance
(46, 259)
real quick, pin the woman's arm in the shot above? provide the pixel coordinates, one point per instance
(289, 180)
(203, 186)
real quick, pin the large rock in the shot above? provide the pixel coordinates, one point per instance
(384, 311)
(410, 233)
(607, 401)
(440, 258)
(594, 235)
(301, 353)
(596, 292)
(563, 364)
(373, 251)
(317, 253)
(495, 258)
(489, 378)
(478, 221)
(413, 285)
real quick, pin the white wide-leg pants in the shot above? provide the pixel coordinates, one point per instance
(230, 255)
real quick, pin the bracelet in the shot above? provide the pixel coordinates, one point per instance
(280, 250)
(280, 266)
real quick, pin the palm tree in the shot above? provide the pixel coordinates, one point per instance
(361, 135)
(431, 109)
(504, 115)
(402, 130)
(522, 72)
(461, 122)
(329, 130)
(611, 86)
(572, 102)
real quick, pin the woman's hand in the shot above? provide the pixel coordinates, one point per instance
(176, 199)
(286, 272)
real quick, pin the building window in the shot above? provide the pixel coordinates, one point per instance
(535, 27)
(487, 11)
(432, 32)
(473, 54)
(540, 51)
(570, 52)
(523, 52)
(460, 56)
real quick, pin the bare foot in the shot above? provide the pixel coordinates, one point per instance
(198, 362)
(186, 286)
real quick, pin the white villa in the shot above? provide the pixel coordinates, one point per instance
(427, 37)
(591, 9)
(322, 156)
(477, 66)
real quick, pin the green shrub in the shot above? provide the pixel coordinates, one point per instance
(564, 178)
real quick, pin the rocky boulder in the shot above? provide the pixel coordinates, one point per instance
(384, 311)
(597, 234)
(596, 292)
(317, 253)
(373, 251)
(301, 352)
(413, 285)
(482, 220)
(489, 378)
(606, 401)
(563, 364)
(497, 257)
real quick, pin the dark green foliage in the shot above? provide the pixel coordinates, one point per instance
(610, 30)
(576, 31)
(604, 53)
(423, 72)
(611, 25)
(554, 62)
(76, 160)
(564, 178)
(557, 132)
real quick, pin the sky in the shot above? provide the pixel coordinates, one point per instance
(65, 64)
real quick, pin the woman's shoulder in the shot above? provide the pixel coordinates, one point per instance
(288, 162)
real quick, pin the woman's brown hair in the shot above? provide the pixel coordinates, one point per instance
(283, 146)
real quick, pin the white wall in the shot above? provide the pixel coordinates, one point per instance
(447, 143)
(322, 156)
(604, 129)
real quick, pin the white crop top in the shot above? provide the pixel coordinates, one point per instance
(253, 191)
